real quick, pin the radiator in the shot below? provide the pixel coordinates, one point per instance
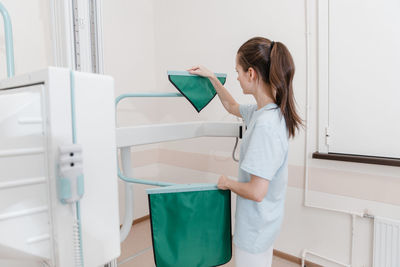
(386, 243)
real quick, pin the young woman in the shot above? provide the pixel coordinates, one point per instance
(265, 70)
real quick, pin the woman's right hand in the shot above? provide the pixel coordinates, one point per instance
(223, 183)
(201, 71)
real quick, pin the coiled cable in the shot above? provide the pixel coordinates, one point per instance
(77, 244)
(76, 234)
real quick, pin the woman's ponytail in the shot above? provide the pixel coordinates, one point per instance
(281, 74)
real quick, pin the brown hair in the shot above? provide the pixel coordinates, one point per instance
(274, 64)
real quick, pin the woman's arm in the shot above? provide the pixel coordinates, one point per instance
(254, 190)
(226, 98)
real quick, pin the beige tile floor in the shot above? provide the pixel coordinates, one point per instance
(139, 242)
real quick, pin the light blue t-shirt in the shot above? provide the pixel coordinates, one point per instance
(264, 153)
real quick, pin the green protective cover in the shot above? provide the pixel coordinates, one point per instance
(198, 90)
(191, 227)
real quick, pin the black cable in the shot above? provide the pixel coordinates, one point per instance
(234, 150)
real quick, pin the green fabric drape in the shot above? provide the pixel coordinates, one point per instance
(191, 228)
(196, 89)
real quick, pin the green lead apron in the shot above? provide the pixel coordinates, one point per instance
(198, 90)
(191, 225)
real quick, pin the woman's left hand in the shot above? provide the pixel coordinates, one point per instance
(201, 71)
(223, 182)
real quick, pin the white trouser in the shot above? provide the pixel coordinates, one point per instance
(246, 259)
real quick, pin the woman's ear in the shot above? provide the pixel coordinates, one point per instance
(252, 74)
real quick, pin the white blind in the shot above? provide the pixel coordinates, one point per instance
(364, 77)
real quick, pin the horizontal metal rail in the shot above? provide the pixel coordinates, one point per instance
(141, 181)
(26, 212)
(30, 120)
(123, 96)
(157, 133)
(37, 239)
(21, 152)
(22, 182)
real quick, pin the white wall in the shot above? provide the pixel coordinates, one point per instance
(129, 54)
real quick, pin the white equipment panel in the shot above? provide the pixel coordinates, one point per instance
(35, 119)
